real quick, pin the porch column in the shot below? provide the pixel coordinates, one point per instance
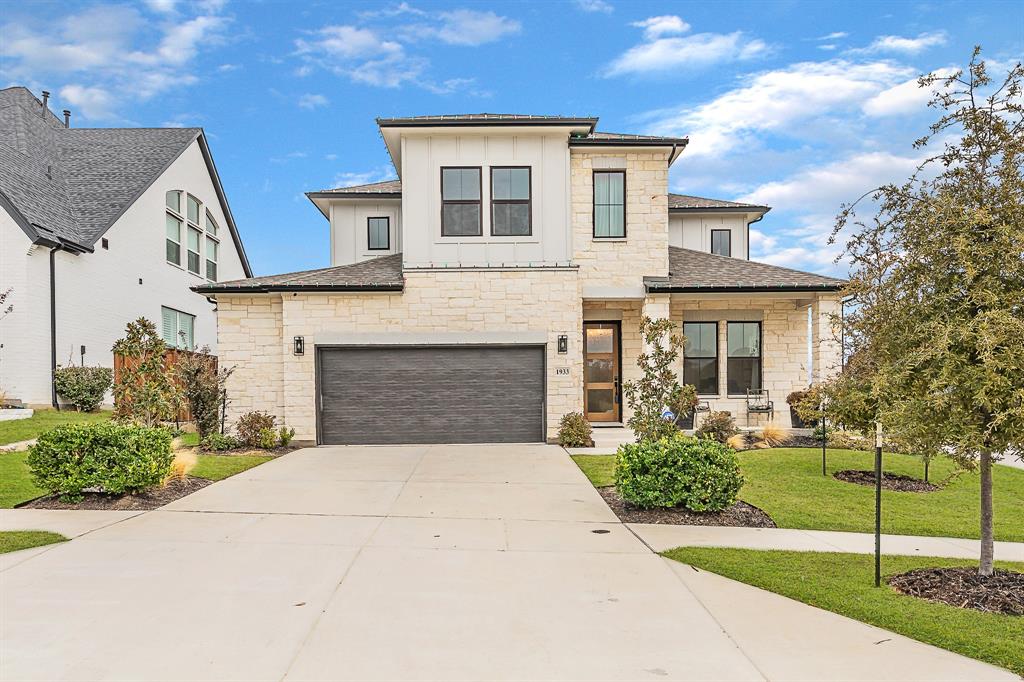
(826, 346)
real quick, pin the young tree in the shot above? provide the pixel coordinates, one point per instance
(143, 392)
(938, 278)
(201, 385)
(658, 387)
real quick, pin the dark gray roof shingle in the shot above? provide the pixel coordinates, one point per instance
(377, 274)
(393, 187)
(696, 271)
(686, 202)
(486, 118)
(598, 138)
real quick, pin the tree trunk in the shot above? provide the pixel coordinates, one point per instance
(987, 551)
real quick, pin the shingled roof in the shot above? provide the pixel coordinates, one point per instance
(598, 138)
(695, 272)
(377, 274)
(486, 119)
(388, 187)
(69, 185)
(686, 202)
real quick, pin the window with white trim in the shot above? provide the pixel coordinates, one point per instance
(173, 222)
(212, 248)
(177, 328)
(194, 240)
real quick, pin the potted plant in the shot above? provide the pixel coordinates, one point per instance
(793, 399)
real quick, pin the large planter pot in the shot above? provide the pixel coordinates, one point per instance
(798, 423)
(686, 422)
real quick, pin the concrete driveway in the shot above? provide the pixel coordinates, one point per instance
(413, 563)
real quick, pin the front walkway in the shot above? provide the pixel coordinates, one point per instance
(413, 563)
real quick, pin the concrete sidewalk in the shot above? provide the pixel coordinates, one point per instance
(661, 537)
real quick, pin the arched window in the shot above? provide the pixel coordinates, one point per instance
(173, 220)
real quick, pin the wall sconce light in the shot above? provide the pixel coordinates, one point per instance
(563, 344)
(299, 345)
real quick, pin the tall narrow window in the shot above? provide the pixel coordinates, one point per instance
(609, 204)
(193, 210)
(460, 202)
(177, 328)
(173, 200)
(744, 357)
(378, 234)
(194, 239)
(212, 246)
(721, 242)
(700, 356)
(173, 239)
(510, 202)
(211, 225)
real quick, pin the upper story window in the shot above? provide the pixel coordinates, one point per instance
(721, 242)
(195, 238)
(460, 202)
(173, 221)
(177, 328)
(378, 234)
(744, 357)
(510, 201)
(212, 248)
(700, 356)
(193, 210)
(609, 204)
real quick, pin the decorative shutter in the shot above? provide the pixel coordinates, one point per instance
(168, 323)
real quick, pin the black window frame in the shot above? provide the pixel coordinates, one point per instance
(688, 358)
(759, 357)
(593, 200)
(728, 242)
(386, 218)
(479, 201)
(528, 201)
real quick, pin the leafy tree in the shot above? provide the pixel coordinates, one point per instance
(144, 392)
(202, 386)
(938, 277)
(658, 388)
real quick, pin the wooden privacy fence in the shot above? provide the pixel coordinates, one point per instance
(171, 357)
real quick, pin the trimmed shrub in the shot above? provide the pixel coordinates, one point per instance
(267, 439)
(574, 431)
(285, 435)
(718, 426)
(216, 442)
(83, 387)
(116, 458)
(699, 474)
(251, 424)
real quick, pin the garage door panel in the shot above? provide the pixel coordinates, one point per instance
(456, 394)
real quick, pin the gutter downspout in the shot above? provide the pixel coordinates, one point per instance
(756, 220)
(53, 327)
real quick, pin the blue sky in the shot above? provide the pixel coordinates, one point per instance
(800, 105)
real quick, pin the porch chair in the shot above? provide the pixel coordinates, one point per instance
(702, 406)
(759, 402)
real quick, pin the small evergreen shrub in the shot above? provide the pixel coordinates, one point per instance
(117, 458)
(285, 435)
(83, 387)
(699, 474)
(574, 431)
(217, 442)
(251, 424)
(267, 439)
(718, 426)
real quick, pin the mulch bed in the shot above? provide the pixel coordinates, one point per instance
(890, 481)
(151, 499)
(1002, 592)
(739, 514)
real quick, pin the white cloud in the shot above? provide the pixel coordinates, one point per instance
(228, 68)
(833, 36)
(163, 6)
(905, 98)
(656, 27)
(361, 54)
(780, 101)
(350, 179)
(828, 47)
(92, 102)
(595, 6)
(664, 49)
(312, 101)
(905, 45)
(470, 27)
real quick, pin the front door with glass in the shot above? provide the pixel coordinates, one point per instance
(601, 371)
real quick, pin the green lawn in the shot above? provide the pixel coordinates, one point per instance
(788, 485)
(44, 420)
(189, 440)
(13, 540)
(844, 584)
(216, 467)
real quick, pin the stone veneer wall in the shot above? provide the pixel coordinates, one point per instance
(631, 345)
(269, 377)
(644, 251)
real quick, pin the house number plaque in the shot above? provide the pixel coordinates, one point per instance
(561, 370)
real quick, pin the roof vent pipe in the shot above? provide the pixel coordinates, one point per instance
(67, 118)
(46, 98)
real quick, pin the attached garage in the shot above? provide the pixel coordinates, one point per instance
(430, 394)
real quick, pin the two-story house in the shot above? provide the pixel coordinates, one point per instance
(98, 227)
(499, 284)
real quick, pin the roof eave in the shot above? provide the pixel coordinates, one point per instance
(720, 209)
(591, 123)
(678, 289)
(668, 142)
(353, 195)
(222, 197)
(297, 288)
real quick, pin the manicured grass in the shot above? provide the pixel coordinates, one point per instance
(44, 420)
(189, 440)
(13, 540)
(844, 584)
(15, 480)
(788, 485)
(217, 467)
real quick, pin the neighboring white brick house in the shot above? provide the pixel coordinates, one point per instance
(98, 198)
(500, 283)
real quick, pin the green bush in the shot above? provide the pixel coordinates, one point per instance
(267, 439)
(83, 387)
(574, 431)
(699, 474)
(285, 436)
(251, 424)
(201, 386)
(216, 442)
(116, 458)
(717, 426)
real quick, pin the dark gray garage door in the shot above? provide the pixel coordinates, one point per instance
(435, 394)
